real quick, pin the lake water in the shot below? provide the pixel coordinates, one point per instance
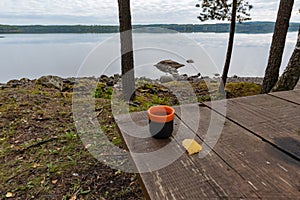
(69, 55)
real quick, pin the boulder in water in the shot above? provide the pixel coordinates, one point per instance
(168, 66)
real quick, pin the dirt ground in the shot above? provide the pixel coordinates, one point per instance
(42, 156)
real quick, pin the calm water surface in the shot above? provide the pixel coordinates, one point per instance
(35, 55)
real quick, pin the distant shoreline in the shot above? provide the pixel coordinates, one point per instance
(246, 28)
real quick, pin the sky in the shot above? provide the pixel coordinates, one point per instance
(19, 12)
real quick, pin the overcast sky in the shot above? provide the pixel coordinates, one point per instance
(105, 11)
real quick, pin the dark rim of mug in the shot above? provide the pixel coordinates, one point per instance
(155, 114)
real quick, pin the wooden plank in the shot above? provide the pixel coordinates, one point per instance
(292, 96)
(272, 119)
(186, 177)
(269, 171)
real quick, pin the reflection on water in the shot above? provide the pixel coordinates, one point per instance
(34, 55)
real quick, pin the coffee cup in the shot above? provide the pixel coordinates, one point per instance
(161, 121)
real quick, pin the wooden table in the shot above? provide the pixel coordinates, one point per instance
(256, 156)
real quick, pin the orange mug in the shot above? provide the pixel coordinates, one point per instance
(161, 121)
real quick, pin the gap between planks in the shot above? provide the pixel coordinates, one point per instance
(280, 95)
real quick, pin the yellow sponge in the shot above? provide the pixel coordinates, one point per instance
(191, 146)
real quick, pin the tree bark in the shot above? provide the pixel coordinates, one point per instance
(277, 46)
(290, 76)
(230, 45)
(127, 62)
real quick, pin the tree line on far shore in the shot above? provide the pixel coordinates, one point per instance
(248, 27)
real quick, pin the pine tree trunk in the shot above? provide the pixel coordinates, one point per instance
(127, 61)
(277, 46)
(290, 77)
(230, 45)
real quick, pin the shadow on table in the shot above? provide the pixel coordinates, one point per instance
(291, 146)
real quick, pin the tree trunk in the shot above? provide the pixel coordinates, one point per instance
(277, 46)
(230, 45)
(290, 77)
(127, 61)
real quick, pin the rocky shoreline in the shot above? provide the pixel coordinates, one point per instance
(66, 84)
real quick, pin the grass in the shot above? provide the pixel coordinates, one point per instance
(234, 90)
(102, 91)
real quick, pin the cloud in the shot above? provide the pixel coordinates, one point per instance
(267, 10)
(53, 19)
(106, 11)
(60, 12)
